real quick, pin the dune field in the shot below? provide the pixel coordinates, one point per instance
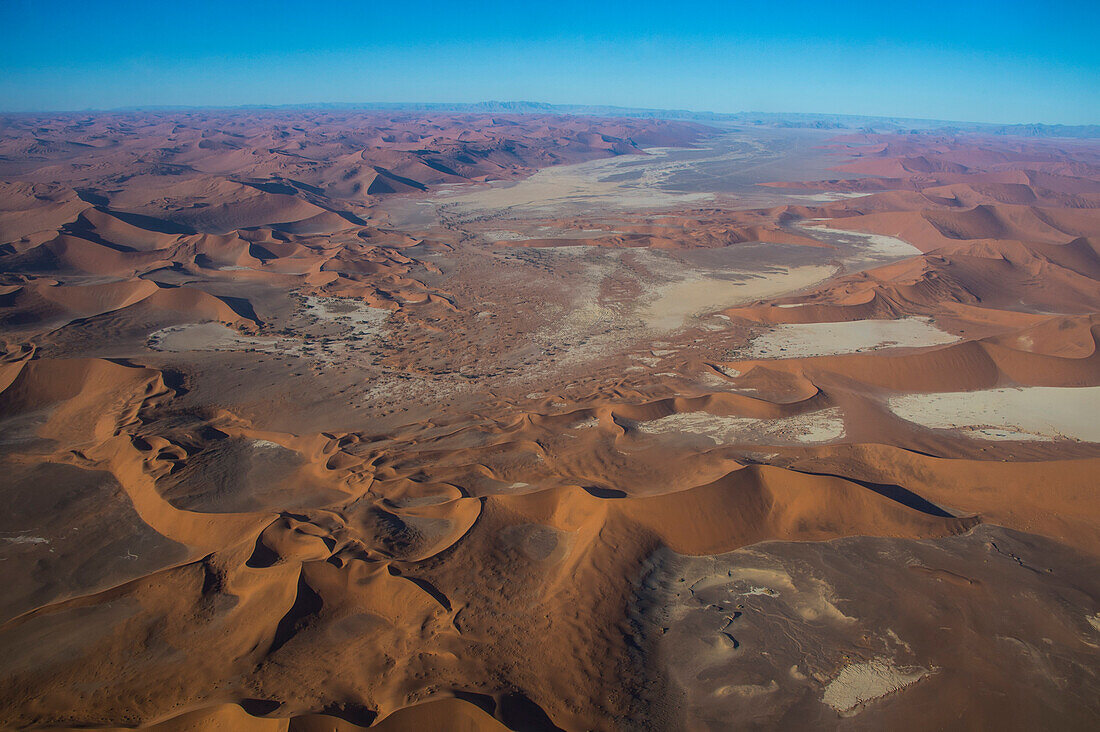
(328, 420)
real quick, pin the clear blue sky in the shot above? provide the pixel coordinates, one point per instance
(974, 60)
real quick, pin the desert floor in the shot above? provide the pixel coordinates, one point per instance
(325, 420)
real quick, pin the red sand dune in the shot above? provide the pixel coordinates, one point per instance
(276, 460)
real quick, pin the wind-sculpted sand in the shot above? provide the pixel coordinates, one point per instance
(336, 420)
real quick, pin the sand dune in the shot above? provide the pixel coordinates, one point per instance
(316, 420)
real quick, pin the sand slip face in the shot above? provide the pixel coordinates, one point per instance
(355, 468)
(806, 340)
(1028, 413)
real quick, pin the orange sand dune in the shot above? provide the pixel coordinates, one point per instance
(305, 426)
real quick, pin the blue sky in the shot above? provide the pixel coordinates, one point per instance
(982, 60)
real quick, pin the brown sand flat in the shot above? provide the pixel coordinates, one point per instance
(339, 420)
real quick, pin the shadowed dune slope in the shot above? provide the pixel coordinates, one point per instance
(312, 420)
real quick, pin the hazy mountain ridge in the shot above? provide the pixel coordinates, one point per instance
(763, 119)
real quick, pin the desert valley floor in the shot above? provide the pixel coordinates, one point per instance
(319, 420)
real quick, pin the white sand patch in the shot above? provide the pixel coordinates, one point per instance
(679, 301)
(362, 318)
(864, 682)
(822, 426)
(358, 324)
(574, 251)
(266, 445)
(813, 601)
(25, 539)
(548, 232)
(833, 196)
(592, 183)
(804, 340)
(767, 591)
(875, 246)
(747, 690)
(1027, 413)
(215, 337)
(504, 235)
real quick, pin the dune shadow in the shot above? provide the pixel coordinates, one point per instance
(904, 496)
(241, 307)
(259, 707)
(484, 702)
(599, 492)
(425, 585)
(150, 223)
(356, 714)
(87, 195)
(306, 605)
(520, 713)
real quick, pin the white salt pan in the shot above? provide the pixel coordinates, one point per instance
(1029, 413)
(803, 340)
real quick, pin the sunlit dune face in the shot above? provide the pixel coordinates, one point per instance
(331, 419)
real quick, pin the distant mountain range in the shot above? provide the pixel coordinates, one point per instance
(760, 119)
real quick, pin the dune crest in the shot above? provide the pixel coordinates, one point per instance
(316, 420)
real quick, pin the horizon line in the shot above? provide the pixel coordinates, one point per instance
(533, 107)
